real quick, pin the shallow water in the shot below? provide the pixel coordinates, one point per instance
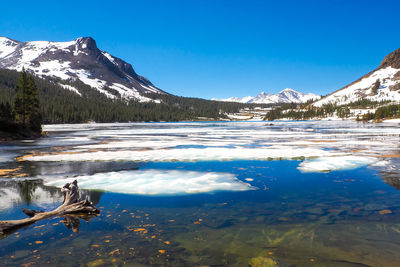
(287, 194)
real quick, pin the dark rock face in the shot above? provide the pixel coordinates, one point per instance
(77, 60)
(392, 60)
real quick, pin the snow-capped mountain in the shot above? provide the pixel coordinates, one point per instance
(287, 95)
(245, 99)
(380, 84)
(76, 60)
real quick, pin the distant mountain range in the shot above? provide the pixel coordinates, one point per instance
(383, 83)
(81, 61)
(77, 60)
(287, 95)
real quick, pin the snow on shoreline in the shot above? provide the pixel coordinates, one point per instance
(392, 121)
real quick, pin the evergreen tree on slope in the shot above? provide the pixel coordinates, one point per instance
(26, 105)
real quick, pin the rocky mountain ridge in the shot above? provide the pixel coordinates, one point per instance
(81, 60)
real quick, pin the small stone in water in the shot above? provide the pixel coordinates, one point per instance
(385, 212)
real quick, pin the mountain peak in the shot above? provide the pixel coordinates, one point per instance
(86, 42)
(392, 60)
(263, 94)
(288, 90)
(85, 39)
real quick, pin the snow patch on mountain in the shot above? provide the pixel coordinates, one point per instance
(7, 46)
(245, 99)
(55, 67)
(71, 88)
(287, 95)
(108, 56)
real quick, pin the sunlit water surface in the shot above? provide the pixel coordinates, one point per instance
(212, 194)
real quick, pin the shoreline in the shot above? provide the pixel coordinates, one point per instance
(11, 131)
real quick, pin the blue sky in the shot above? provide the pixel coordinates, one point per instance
(223, 48)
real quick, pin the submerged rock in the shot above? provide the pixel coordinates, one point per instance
(262, 262)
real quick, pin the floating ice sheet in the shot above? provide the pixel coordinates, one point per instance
(209, 141)
(190, 154)
(157, 182)
(325, 164)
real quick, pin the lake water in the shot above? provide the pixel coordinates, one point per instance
(315, 193)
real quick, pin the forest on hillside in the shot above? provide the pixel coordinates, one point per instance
(59, 105)
(383, 110)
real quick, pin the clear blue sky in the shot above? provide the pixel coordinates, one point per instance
(223, 48)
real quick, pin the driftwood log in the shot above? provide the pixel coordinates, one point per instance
(70, 205)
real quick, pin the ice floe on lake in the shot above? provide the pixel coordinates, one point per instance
(325, 164)
(190, 154)
(157, 182)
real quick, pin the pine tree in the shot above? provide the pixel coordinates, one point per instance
(26, 105)
(35, 118)
(21, 98)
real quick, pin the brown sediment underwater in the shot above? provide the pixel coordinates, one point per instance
(296, 244)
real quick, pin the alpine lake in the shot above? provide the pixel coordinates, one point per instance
(312, 193)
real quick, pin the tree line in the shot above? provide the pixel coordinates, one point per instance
(59, 105)
(306, 111)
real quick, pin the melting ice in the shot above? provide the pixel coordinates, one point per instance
(332, 143)
(157, 182)
(325, 164)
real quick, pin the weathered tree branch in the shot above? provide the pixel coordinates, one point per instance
(70, 205)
